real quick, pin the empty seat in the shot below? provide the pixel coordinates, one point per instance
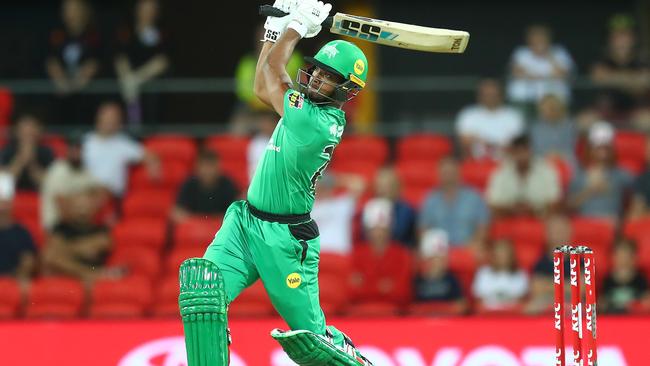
(521, 231)
(332, 263)
(173, 175)
(126, 298)
(371, 150)
(149, 233)
(10, 298)
(423, 148)
(252, 302)
(630, 150)
(593, 232)
(137, 260)
(151, 204)
(55, 297)
(166, 298)
(170, 147)
(333, 292)
(6, 107)
(366, 170)
(417, 178)
(462, 260)
(179, 254)
(26, 206)
(196, 231)
(643, 252)
(229, 147)
(476, 173)
(635, 229)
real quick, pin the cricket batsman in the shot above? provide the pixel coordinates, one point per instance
(271, 236)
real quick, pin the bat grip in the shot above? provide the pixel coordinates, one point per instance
(270, 11)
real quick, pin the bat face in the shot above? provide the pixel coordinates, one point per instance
(400, 35)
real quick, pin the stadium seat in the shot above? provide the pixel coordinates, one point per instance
(179, 254)
(196, 231)
(521, 231)
(643, 252)
(435, 308)
(370, 150)
(57, 143)
(173, 175)
(563, 170)
(630, 150)
(6, 107)
(10, 298)
(366, 170)
(593, 232)
(333, 293)
(229, 147)
(252, 302)
(55, 297)
(418, 178)
(149, 204)
(171, 147)
(462, 260)
(527, 255)
(635, 229)
(332, 263)
(423, 148)
(476, 173)
(130, 233)
(372, 309)
(166, 298)
(26, 206)
(126, 298)
(137, 260)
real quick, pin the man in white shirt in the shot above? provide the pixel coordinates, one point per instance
(486, 128)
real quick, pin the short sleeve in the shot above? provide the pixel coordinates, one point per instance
(427, 219)
(464, 123)
(300, 116)
(133, 151)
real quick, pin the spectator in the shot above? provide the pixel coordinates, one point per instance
(434, 281)
(208, 192)
(523, 184)
(141, 57)
(381, 266)
(73, 61)
(454, 208)
(558, 233)
(500, 284)
(487, 127)
(625, 283)
(65, 177)
(17, 249)
(622, 73)
(25, 157)
(77, 246)
(539, 68)
(266, 122)
(554, 134)
(597, 190)
(107, 153)
(334, 213)
(387, 186)
(640, 205)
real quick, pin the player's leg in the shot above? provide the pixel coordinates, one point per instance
(208, 285)
(289, 269)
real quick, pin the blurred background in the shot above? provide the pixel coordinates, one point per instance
(128, 127)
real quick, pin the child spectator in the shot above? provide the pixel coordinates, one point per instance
(625, 283)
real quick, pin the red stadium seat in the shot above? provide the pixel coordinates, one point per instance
(643, 252)
(373, 309)
(630, 150)
(423, 148)
(521, 231)
(252, 302)
(10, 298)
(139, 261)
(126, 298)
(366, 170)
(196, 231)
(331, 263)
(476, 173)
(149, 233)
(593, 232)
(173, 175)
(418, 178)
(462, 260)
(228, 147)
(333, 292)
(57, 143)
(170, 147)
(436, 308)
(527, 255)
(26, 206)
(150, 204)
(180, 254)
(563, 170)
(55, 297)
(635, 229)
(166, 298)
(6, 107)
(506, 311)
(370, 150)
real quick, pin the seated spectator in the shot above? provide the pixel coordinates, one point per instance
(266, 122)
(65, 177)
(381, 267)
(598, 188)
(76, 246)
(622, 74)
(625, 283)
(207, 192)
(500, 284)
(523, 184)
(25, 157)
(108, 152)
(403, 216)
(539, 68)
(486, 128)
(554, 134)
(140, 58)
(334, 213)
(640, 205)
(17, 249)
(434, 281)
(558, 233)
(73, 61)
(454, 208)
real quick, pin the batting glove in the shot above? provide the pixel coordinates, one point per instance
(275, 26)
(308, 17)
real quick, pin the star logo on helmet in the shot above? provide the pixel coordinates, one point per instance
(330, 50)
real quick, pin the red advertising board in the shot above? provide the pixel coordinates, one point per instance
(387, 342)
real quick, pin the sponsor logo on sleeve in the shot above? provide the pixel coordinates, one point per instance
(296, 100)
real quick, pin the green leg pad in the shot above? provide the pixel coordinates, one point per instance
(309, 349)
(204, 307)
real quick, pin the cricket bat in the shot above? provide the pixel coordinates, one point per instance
(412, 37)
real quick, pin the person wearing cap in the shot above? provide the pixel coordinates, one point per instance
(17, 249)
(381, 266)
(599, 186)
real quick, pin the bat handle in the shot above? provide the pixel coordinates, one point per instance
(270, 11)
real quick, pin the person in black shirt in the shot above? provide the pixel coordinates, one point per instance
(208, 192)
(25, 157)
(17, 249)
(640, 205)
(141, 56)
(625, 283)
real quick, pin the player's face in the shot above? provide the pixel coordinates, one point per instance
(322, 83)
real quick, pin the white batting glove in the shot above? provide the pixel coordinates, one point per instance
(308, 17)
(275, 26)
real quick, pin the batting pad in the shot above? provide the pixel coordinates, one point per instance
(310, 349)
(204, 307)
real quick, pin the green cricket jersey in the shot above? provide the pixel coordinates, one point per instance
(299, 150)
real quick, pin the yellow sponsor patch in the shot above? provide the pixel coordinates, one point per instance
(359, 67)
(294, 280)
